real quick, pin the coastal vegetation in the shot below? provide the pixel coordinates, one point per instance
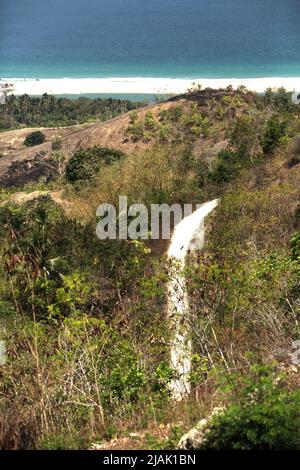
(84, 320)
(49, 111)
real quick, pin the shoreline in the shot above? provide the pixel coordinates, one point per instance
(142, 85)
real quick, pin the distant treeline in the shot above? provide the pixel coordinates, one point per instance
(49, 111)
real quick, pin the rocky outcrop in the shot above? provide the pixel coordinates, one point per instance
(195, 438)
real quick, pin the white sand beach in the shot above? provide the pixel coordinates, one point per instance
(136, 85)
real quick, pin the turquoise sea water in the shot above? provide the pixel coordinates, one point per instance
(154, 38)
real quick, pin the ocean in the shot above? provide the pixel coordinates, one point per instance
(179, 39)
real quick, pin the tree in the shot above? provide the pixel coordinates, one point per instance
(275, 130)
(84, 166)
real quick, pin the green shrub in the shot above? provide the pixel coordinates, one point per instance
(56, 144)
(7, 309)
(279, 99)
(262, 414)
(171, 115)
(243, 136)
(174, 125)
(195, 123)
(275, 130)
(38, 247)
(142, 129)
(54, 263)
(84, 165)
(226, 168)
(35, 138)
(295, 247)
(61, 442)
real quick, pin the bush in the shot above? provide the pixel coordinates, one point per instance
(174, 125)
(195, 123)
(243, 136)
(226, 167)
(262, 415)
(61, 442)
(47, 258)
(275, 130)
(38, 246)
(142, 129)
(280, 99)
(295, 247)
(171, 115)
(56, 144)
(84, 166)
(35, 138)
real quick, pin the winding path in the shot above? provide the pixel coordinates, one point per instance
(188, 234)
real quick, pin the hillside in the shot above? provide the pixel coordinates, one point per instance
(105, 134)
(85, 320)
(111, 133)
